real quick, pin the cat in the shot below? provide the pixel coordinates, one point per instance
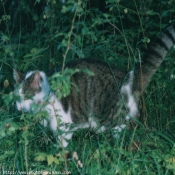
(109, 99)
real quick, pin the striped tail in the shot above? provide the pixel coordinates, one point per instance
(152, 60)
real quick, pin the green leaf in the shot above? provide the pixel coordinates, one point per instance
(2, 133)
(12, 126)
(150, 12)
(51, 159)
(40, 157)
(87, 71)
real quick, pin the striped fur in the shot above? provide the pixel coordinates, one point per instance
(152, 60)
(106, 100)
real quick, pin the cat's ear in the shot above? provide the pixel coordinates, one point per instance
(18, 76)
(36, 80)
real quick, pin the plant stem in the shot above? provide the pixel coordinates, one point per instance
(69, 37)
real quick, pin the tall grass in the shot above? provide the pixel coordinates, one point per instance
(45, 35)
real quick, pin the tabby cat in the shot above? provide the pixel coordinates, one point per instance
(109, 99)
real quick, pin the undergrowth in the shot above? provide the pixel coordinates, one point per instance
(45, 35)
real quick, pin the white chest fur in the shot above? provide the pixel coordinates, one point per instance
(59, 119)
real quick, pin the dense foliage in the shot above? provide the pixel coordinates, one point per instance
(45, 35)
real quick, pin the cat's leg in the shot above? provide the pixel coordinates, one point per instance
(60, 121)
(64, 139)
(44, 122)
(63, 133)
(117, 130)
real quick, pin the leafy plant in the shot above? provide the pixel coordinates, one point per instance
(46, 35)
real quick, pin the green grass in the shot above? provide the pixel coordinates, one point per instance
(118, 35)
(139, 151)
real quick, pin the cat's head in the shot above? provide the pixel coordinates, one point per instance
(32, 88)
